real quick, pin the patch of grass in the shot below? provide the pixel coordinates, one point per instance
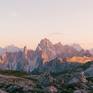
(13, 73)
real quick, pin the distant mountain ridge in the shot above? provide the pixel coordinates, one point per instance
(14, 58)
(12, 48)
(46, 43)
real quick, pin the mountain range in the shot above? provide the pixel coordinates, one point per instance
(46, 56)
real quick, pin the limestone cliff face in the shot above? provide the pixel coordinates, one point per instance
(79, 59)
(47, 50)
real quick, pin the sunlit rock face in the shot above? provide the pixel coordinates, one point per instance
(47, 50)
(31, 59)
(25, 60)
(83, 59)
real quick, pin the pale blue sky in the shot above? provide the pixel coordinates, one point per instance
(26, 22)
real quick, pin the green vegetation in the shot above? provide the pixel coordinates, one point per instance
(13, 73)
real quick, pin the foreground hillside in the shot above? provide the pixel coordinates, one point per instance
(75, 80)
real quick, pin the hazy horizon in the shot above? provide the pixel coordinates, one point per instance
(26, 22)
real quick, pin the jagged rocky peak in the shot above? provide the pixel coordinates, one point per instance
(12, 48)
(45, 43)
(58, 45)
(77, 47)
(47, 50)
(25, 50)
